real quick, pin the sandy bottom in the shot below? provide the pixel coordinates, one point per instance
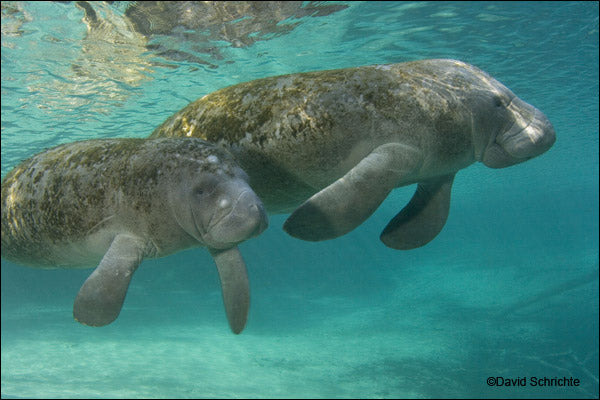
(403, 345)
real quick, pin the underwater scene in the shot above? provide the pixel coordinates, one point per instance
(496, 298)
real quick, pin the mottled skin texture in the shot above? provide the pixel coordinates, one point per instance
(117, 201)
(298, 135)
(62, 197)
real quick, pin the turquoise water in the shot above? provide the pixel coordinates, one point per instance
(508, 289)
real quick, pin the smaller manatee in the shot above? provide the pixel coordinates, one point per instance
(114, 202)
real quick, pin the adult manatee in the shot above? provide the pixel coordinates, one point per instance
(331, 145)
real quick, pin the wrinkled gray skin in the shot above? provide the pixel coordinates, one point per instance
(114, 202)
(331, 145)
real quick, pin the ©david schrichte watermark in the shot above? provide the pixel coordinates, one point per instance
(533, 381)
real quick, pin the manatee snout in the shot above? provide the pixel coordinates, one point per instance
(248, 216)
(245, 217)
(540, 137)
(530, 134)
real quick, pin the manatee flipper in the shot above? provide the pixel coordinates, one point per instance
(346, 203)
(422, 218)
(101, 297)
(235, 286)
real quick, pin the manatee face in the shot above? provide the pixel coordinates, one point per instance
(218, 209)
(506, 129)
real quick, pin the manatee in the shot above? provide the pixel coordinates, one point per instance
(331, 145)
(114, 202)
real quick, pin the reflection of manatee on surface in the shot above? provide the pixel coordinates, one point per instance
(331, 145)
(123, 40)
(240, 23)
(196, 31)
(114, 202)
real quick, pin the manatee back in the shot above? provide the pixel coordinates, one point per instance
(53, 198)
(296, 134)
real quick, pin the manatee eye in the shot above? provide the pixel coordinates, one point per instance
(498, 101)
(204, 188)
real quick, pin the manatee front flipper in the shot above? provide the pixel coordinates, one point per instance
(101, 297)
(235, 286)
(422, 218)
(346, 203)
